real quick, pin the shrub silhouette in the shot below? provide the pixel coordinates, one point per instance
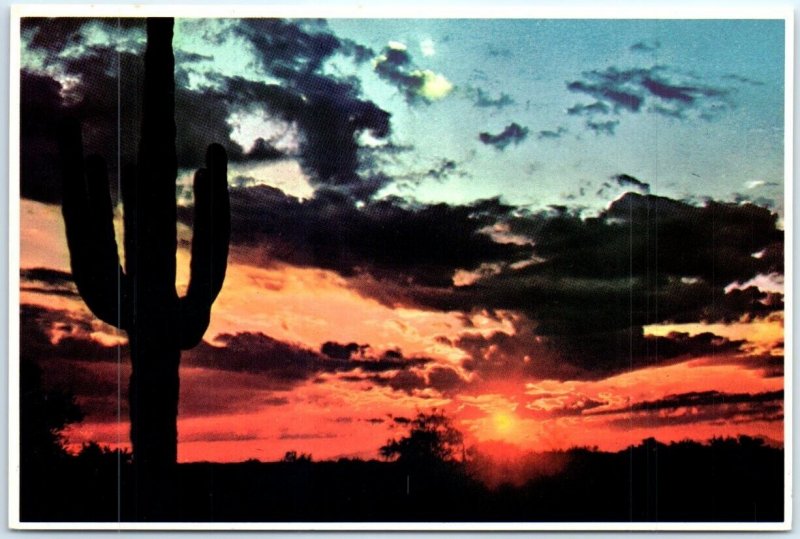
(95, 453)
(43, 416)
(142, 299)
(431, 439)
(294, 456)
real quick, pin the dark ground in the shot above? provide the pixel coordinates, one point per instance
(727, 480)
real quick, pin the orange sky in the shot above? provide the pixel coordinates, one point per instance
(233, 416)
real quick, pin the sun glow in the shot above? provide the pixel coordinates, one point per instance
(504, 423)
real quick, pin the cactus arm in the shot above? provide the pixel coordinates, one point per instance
(89, 225)
(210, 236)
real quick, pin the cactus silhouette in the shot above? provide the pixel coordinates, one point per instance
(141, 298)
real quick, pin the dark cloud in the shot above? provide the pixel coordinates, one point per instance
(285, 365)
(646, 46)
(597, 107)
(743, 80)
(47, 281)
(343, 351)
(60, 343)
(769, 364)
(676, 113)
(549, 134)
(513, 133)
(625, 180)
(208, 392)
(443, 169)
(385, 239)
(263, 150)
(330, 117)
(715, 241)
(706, 407)
(494, 52)
(49, 335)
(46, 275)
(482, 99)
(306, 436)
(554, 405)
(589, 356)
(602, 128)
(394, 64)
(659, 89)
(406, 381)
(294, 47)
(644, 260)
(243, 373)
(444, 379)
(95, 386)
(327, 111)
(596, 281)
(219, 436)
(607, 93)
(202, 119)
(183, 57)
(702, 398)
(54, 334)
(762, 201)
(40, 103)
(438, 170)
(57, 33)
(99, 86)
(102, 94)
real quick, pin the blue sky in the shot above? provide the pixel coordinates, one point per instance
(718, 148)
(706, 120)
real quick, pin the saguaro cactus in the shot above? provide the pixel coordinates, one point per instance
(142, 299)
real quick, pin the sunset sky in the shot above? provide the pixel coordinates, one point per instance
(560, 232)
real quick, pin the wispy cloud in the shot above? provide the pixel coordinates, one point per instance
(512, 134)
(706, 407)
(657, 90)
(552, 134)
(646, 46)
(395, 65)
(484, 99)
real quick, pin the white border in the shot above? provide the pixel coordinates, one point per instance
(788, 242)
(413, 526)
(407, 10)
(13, 273)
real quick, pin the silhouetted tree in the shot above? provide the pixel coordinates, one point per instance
(95, 453)
(431, 438)
(142, 299)
(294, 456)
(43, 416)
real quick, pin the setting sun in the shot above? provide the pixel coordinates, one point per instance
(505, 423)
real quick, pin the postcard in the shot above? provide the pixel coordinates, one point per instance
(361, 269)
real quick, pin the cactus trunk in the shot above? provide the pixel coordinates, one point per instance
(141, 299)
